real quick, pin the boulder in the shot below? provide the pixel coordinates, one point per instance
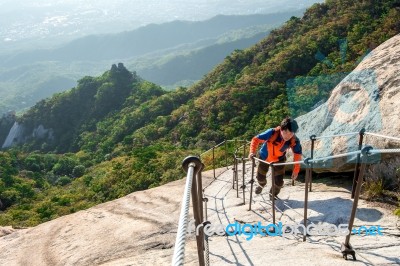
(368, 98)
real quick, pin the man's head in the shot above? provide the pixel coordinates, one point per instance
(288, 128)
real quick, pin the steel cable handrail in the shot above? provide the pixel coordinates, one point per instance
(216, 146)
(240, 147)
(337, 135)
(384, 151)
(382, 136)
(193, 186)
(307, 161)
(315, 137)
(179, 251)
(219, 144)
(362, 152)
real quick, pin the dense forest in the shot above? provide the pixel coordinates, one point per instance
(117, 133)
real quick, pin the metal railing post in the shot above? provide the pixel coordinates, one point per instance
(213, 156)
(205, 200)
(244, 148)
(357, 167)
(226, 153)
(235, 146)
(346, 248)
(198, 219)
(191, 165)
(273, 191)
(195, 185)
(312, 137)
(308, 174)
(200, 192)
(243, 181)
(234, 172)
(237, 179)
(253, 162)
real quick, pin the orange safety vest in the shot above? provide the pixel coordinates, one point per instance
(275, 148)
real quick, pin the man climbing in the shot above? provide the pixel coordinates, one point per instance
(275, 142)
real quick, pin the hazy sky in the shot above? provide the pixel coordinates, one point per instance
(53, 20)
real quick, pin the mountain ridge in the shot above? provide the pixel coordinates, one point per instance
(110, 155)
(29, 73)
(153, 37)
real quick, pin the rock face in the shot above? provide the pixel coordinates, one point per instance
(18, 135)
(369, 97)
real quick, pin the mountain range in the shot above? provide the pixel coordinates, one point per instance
(118, 133)
(30, 75)
(46, 24)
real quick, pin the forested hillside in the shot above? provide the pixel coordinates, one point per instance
(118, 133)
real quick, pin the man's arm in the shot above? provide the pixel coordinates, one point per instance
(257, 140)
(296, 167)
(297, 155)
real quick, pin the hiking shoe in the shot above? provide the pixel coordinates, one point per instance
(258, 190)
(277, 190)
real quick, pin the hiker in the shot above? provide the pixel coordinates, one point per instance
(275, 142)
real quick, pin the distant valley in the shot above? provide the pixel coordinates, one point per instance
(169, 54)
(45, 23)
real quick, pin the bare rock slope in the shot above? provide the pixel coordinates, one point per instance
(124, 228)
(140, 229)
(369, 97)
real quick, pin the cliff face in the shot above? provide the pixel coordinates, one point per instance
(17, 135)
(14, 136)
(369, 97)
